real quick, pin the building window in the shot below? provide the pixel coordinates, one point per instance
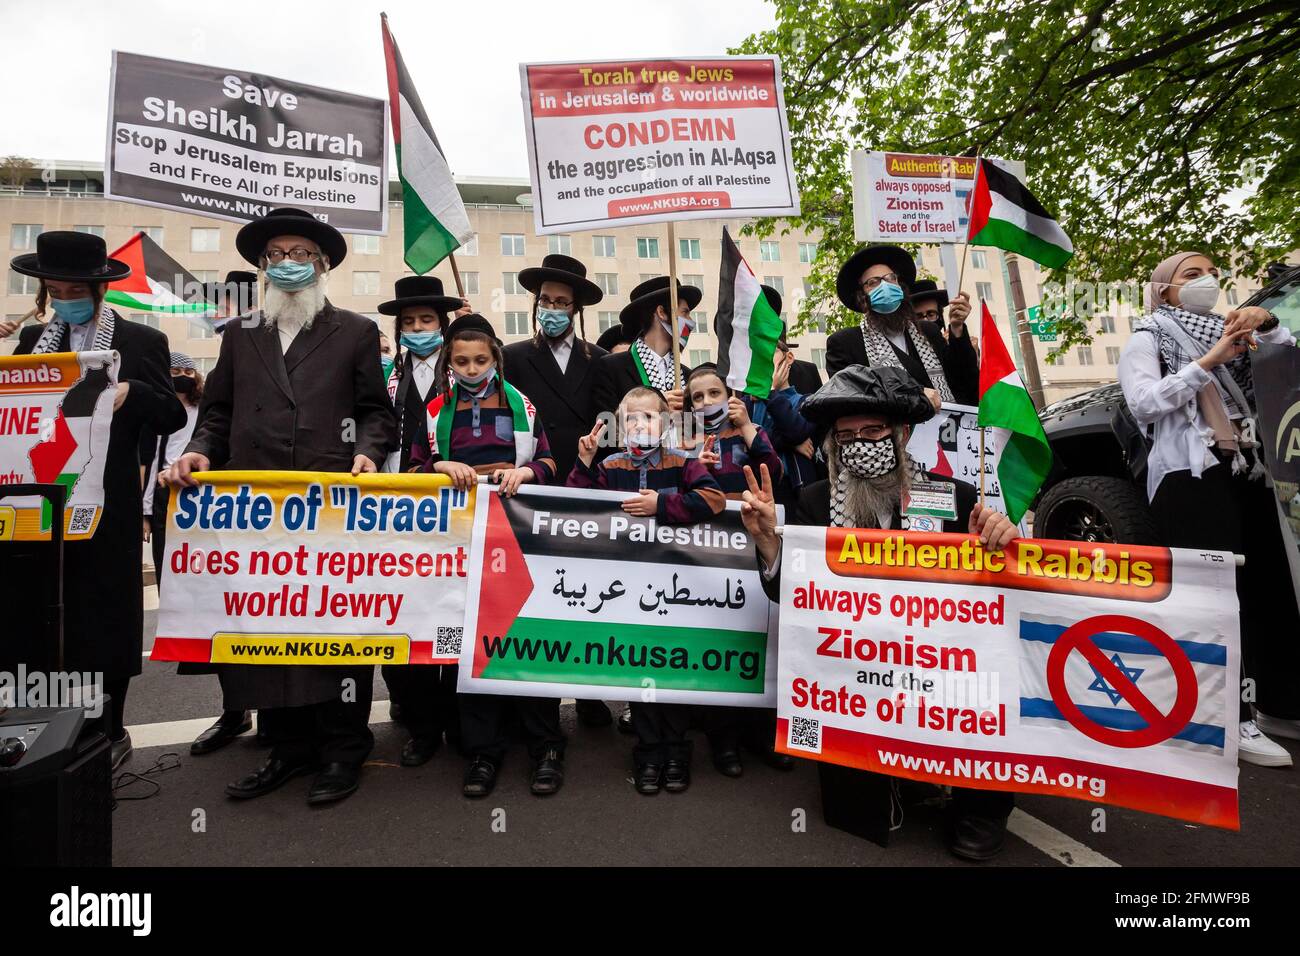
(470, 248)
(365, 283)
(205, 240)
(197, 331)
(647, 247)
(365, 245)
(602, 246)
(153, 232)
(1108, 323)
(1112, 355)
(470, 280)
(979, 259)
(689, 248)
(819, 358)
(512, 244)
(777, 283)
(1231, 293)
(769, 251)
(647, 276)
(204, 275)
(1085, 355)
(20, 284)
(90, 230)
(606, 321)
(696, 281)
(559, 245)
(510, 283)
(699, 357)
(22, 236)
(701, 321)
(807, 251)
(985, 291)
(1056, 359)
(608, 282)
(147, 318)
(516, 323)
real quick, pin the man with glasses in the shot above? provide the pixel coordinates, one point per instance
(928, 304)
(296, 387)
(556, 369)
(877, 282)
(867, 415)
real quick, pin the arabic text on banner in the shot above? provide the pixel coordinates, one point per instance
(1107, 673)
(614, 143)
(570, 596)
(55, 413)
(267, 567)
(235, 145)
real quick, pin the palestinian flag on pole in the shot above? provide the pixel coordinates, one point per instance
(433, 215)
(158, 283)
(747, 326)
(1005, 405)
(1005, 215)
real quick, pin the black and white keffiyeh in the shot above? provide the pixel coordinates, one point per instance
(840, 493)
(881, 353)
(660, 377)
(1204, 331)
(53, 334)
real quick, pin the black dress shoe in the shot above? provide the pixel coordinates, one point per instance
(677, 776)
(647, 779)
(228, 726)
(594, 713)
(480, 777)
(777, 761)
(548, 775)
(977, 838)
(395, 712)
(336, 781)
(728, 762)
(271, 775)
(625, 723)
(419, 750)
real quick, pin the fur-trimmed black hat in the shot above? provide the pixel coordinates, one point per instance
(867, 390)
(251, 240)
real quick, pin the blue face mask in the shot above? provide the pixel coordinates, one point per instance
(553, 321)
(422, 343)
(474, 381)
(886, 298)
(290, 276)
(74, 311)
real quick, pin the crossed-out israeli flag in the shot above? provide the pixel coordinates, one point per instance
(1143, 663)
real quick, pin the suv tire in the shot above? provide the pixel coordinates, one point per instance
(1095, 508)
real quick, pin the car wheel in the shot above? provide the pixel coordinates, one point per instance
(1095, 508)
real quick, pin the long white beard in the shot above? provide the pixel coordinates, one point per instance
(293, 310)
(867, 498)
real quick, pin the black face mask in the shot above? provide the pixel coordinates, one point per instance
(183, 384)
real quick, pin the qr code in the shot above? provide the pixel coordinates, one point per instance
(448, 643)
(805, 733)
(82, 519)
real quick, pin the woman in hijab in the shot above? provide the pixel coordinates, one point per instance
(1187, 379)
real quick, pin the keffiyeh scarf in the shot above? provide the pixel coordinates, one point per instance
(881, 353)
(102, 342)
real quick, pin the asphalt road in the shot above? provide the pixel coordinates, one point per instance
(404, 816)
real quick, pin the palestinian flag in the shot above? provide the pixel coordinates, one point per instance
(1005, 405)
(158, 283)
(1005, 215)
(433, 214)
(747, 326)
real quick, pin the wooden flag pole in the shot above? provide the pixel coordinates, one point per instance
(455, 271)
(672, 305)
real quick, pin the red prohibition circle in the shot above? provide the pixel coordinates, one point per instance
(1160, 726)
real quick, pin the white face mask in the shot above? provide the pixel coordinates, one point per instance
(1200, 295)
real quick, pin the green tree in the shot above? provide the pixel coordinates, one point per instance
(1146, 126)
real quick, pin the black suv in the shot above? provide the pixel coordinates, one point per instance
(1097, 488)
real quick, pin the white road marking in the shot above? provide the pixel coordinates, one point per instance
(151, 597)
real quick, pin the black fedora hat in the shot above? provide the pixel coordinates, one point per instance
(869, 390)
(286, 221)
(70, 257)
(846, 283)
(565, 269)
(419, 290)
(928, 289)
(471, 323)
(651, 293)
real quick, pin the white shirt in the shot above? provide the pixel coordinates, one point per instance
(898, 340)
(562, 349)
(665, 362)
(81, 337)
(176, 443)
(423, 372)
(1182, 436)
(288, 331)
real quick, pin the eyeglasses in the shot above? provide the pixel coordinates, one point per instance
(869, 284)
(299, 254)
(931, 315)
(546, 302)
(865, 433)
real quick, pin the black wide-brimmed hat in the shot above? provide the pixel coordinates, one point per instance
(565, 269)
(70, 257)
(471, 323)
(846, 283)
(928, 289)
(613, 335)
(286, 221)
(867, 390)
(652, 293)
(773, 298)
(239, 286)
(419, 290)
